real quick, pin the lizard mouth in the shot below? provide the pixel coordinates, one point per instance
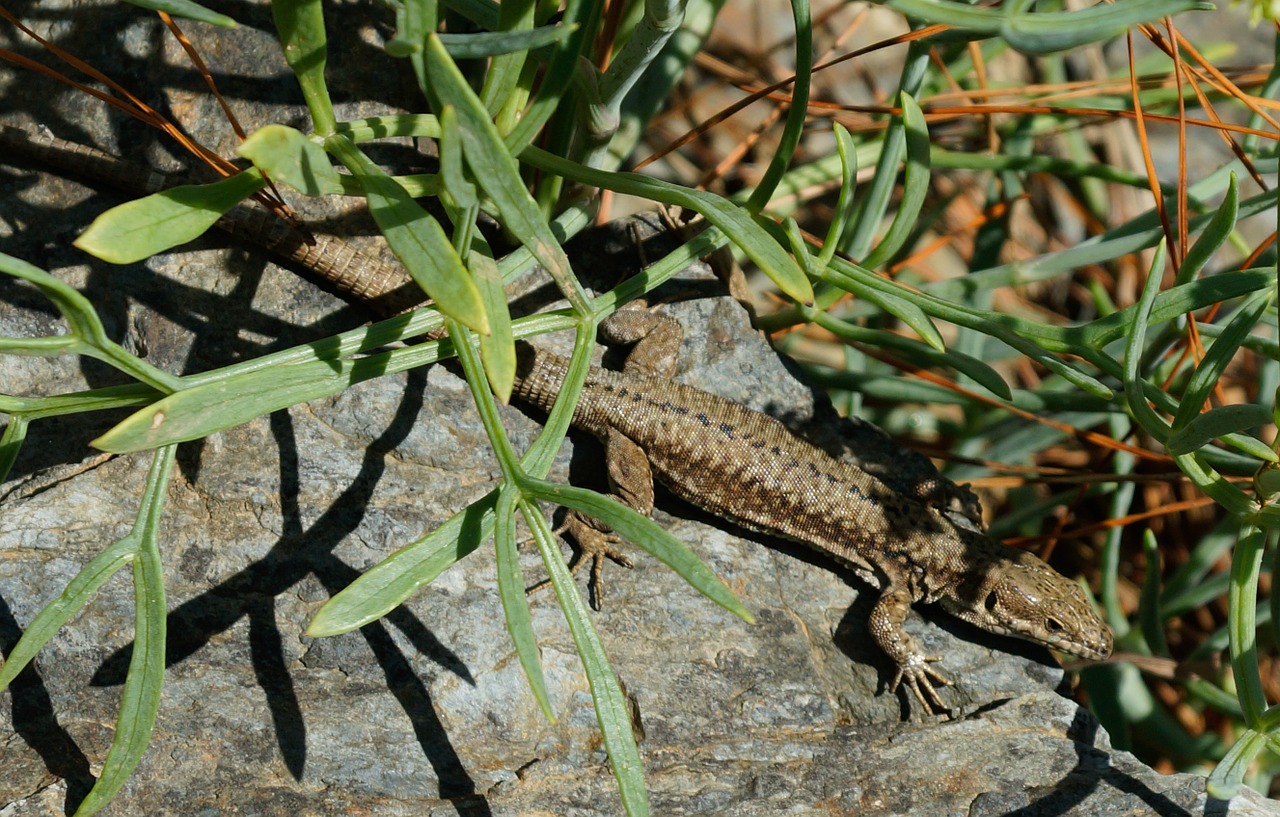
(1095, 646)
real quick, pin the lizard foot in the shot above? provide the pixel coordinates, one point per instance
(590, 541)
(920, 678)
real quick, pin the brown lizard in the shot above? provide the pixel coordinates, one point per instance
(750, 469)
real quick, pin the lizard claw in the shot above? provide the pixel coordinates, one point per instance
(920, 678)
(590, 542)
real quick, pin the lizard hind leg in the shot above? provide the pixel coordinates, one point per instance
(632, 482)
(592, 542)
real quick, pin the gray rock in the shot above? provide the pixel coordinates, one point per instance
(427, 711)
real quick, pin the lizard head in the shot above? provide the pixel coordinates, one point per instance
(1020, 595)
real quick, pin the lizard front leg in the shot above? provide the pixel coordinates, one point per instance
(885, 624)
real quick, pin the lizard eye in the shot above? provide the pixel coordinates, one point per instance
(1053, 625)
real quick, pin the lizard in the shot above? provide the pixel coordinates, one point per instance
(750, 469)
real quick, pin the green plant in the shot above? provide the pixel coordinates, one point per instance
(1107, 370)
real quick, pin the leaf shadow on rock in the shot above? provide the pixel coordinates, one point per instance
(307, 550)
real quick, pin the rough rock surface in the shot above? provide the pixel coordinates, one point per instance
(427, 712)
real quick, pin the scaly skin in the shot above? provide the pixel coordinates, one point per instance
(749, 468)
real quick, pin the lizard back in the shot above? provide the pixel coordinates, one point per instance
(753, 470)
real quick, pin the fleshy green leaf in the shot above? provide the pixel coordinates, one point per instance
(76, 310)
(300, 25)
(915, 184)
(494, 169)
(645, 533)
(416, 238)
(140, 700)
(69, 602)
(1219, 422)
(612, 712)
(187, 9)
(199, 411)
(1045, 32)
(492, 43)
(387, 584)
(141, 228)
(753, 239)
(497, 349)
(1219, 355)
(515, 601)
(288, 156)
(1214, 235)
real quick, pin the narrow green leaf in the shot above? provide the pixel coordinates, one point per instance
(199, 411)
(416, 238)
(799, 247)
(754, 240)
(1150, 616)
(1242, 609)
(797, 112)
(140, 700)
(288, 156)
(452, 178)
(1134, 385)
(497, 173)
(894, 299)
(515, 601)
(645, 533)
(915, 184)
(300, 26)
(187, 9)
(977, 370)
(845, 204)
(559, 74)
(77, 402)
(73, 598)
(387, 584)
(15, 433)
(492, 43)
(76, 310)
(1220, 354)
(612, 712)
(413, 21)
(1216, 697)
(1221, 489)
(228, 399)
(498, 348)
(87, 337)
(1227, 778)
(1171, 304)
(504, 93)
(141, 228)
(1214, 235)
(1045, 32)
(1218, 422)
